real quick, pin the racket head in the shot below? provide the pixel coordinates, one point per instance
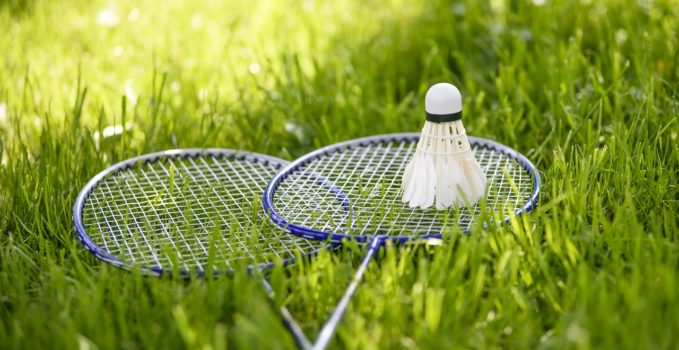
(352, 190)
(177, 211)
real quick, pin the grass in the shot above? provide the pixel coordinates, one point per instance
(588, 90)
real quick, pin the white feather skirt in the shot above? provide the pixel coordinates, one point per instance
(443, 171)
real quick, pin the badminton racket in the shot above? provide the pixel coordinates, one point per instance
(368, 208)
(188, 212)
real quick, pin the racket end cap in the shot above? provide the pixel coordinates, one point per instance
(443, 101)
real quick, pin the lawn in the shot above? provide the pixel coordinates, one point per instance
(588, 90)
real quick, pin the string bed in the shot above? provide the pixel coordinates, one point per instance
(365, 195)
(186, 211)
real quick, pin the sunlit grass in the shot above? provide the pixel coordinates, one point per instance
(588, 90)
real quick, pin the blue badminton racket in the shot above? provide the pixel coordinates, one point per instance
(189, 213)
(364, 201)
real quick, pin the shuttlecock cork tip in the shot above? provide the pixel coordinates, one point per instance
(443, 103)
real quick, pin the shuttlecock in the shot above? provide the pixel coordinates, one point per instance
(443, 170)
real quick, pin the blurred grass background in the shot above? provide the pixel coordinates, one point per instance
(586, 89)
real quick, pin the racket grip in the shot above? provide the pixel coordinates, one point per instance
(328, 330)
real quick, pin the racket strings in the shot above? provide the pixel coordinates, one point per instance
(188, 212)
(369, 177)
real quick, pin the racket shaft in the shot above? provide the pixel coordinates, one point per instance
(328, 330)
(297, 333)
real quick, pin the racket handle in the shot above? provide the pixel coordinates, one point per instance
(326, 333)
(300, 338)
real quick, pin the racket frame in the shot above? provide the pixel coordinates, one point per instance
(102, 254)
(305, 232)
